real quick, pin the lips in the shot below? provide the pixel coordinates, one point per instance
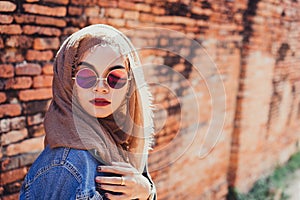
(100, 102)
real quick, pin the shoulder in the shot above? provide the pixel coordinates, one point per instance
(63, 171)
(73, 160)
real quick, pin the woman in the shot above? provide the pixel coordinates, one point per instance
(99, 124)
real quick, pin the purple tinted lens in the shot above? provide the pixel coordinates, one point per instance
(117, 79)
(86, 78)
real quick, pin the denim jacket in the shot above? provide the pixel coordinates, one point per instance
(63, 173)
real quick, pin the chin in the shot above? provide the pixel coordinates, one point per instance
(101, 115)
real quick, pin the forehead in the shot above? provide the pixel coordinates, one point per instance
(103, 57)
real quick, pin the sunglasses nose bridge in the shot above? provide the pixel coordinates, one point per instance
(101, 83)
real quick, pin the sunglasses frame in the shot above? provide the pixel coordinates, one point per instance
(100, 78)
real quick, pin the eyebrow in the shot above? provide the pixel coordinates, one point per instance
(93, 67)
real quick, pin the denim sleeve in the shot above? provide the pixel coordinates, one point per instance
(51, 183)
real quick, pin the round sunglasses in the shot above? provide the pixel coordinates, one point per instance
(87, 78)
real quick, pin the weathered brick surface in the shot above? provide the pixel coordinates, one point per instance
(6, 70)
(10, 110)
(19, 41)
(13, 175)
(34, 55)
(14, 136)
(28, 29)
(18, 83)
(254, 45)
(28, 69)
(45, 10)
(42, 81)
(46, 43)
(6, 19)
(10, 29)
(7, 6)
(35, 94)
(26, 146)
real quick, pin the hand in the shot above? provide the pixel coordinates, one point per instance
(135, 185)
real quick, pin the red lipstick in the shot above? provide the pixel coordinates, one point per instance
(100, 102)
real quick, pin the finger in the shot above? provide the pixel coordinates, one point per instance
(116, 197)
(109, 180)
(112, 188)
(116, 170)
(122, 164)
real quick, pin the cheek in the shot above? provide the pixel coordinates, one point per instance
(118, 96)
(80, 94)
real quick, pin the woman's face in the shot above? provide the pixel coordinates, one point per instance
(101, 99)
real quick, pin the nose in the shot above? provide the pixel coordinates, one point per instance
(101, 86)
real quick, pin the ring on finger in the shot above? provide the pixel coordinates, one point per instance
(122, 181)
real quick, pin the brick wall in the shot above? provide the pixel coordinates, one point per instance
(254, 44)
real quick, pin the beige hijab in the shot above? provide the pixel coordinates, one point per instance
(124, 136)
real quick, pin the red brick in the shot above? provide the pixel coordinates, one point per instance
(42, 81)
(45, 10)
(35, 119)
(2, 97)
(18, 83)
(7, 6)
(6, 19)
(97, 20)
(72, 10)
(142, 7)
(10, 29)
(116, 22)
(48, 69)
(12, 55)
(26, 18)
(19, 41)
(108, 3)
(157, 10)
(83, 3)
(28, 69)
(46, 43)
(6, 70)
(10, 110)
(35, 94)
(63, 2)
(144, 17)
(114, 12)
(26, 146)
(131, 15)
(39, 55)
(29, 30)
(92, 11)
(127, 5)
(51, 21)
(14, 136)
(12, 175)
